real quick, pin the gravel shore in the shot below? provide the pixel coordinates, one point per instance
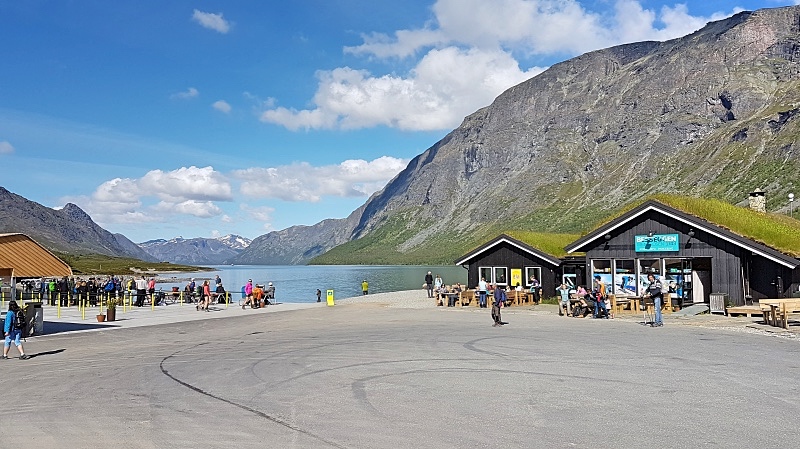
(406, 299)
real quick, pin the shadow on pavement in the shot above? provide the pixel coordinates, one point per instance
(39, 354)
(57, 327)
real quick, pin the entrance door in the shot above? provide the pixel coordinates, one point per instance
(701, 286)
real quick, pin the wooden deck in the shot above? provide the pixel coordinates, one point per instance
(748, 311)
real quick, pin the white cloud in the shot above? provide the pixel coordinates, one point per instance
(261, 214)
(189, 93)
(303, 182)
(6, 147)
(222, 106)
(468, 54)
(211, 21)
(185, 191)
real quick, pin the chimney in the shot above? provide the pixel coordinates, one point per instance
(758, 202)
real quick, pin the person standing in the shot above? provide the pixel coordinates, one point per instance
(141, 290)
(365, 287)
(438, 283)
(429, 284)
(217, 281)
(499, 300)
(12, 333)
(319, 295)
(658, 297)
(482, 293)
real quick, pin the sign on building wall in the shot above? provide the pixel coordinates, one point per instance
(656, 242)
(516, 277)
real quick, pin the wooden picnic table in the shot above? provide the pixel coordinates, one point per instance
(776, 310)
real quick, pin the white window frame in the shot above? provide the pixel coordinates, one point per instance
(493, 278)
(537, 275)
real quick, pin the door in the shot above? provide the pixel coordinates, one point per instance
(701, 286)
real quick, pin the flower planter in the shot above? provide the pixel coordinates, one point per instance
(111, 315)
(101, 318)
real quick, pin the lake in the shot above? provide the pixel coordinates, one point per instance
(304, 280)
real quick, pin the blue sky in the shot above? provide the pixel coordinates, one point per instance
(203, 118)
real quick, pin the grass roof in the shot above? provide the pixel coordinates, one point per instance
(548, 243)
(778, 231)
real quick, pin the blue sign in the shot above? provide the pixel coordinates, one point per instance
(658, 242)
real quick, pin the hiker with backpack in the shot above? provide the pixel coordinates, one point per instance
(14, 325)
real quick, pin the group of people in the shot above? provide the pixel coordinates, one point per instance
(596, 301)
(258, 295)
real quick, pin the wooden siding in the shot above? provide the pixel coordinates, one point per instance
(726, 258)
(509, 256)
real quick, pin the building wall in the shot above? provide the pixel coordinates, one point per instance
(726, 258)
(505, 255)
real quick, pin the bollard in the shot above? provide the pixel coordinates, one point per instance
(330, 297)
(180, 299)
(152, 302)
(227, 299)
(83, 308)
(59, 310)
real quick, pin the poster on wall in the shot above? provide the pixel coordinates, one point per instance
(605, 278)
(625, 284)
(516, 277)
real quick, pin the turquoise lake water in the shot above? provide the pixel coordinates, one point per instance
(299, 283)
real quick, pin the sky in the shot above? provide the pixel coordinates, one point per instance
(206, 118)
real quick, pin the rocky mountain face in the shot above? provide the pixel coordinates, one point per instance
(209, 251)
(715, 113)
(69, 230)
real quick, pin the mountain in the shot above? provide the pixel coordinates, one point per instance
(69, 230)
(209, 251)
(713, 114)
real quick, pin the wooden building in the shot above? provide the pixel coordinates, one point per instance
(700, 260)
(508, 261)
(22, 258)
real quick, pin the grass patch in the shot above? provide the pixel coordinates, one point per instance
(98, 264)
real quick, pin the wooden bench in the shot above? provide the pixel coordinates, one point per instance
(748, 311)
(786, 308)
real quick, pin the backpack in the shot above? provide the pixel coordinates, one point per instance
(19, 321)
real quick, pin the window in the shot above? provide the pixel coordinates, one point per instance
(485, 273)
(532, 273)
(624, 277)
(601, 268)
(648, 266)
(500, 275)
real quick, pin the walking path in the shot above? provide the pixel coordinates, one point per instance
(72, 319)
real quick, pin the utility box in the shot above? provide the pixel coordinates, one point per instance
(34, 316)
(717, 302)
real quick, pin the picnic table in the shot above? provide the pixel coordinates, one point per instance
(777, 311)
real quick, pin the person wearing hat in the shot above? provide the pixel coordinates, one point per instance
(365, 287)
(248, 293)
(269, 293)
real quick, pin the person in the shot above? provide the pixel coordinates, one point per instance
(205, 297)
(429, 284)
(563, 308)
(654, 289)
(248, 293)
(11, 333)
(600, 309)
(438, 283)
(319, 295)
(218, 280)
(535, 289)
(141, 290)
(482, 293)
(221, 294)
(499, 300)
(258, 295)
(365, 287)
(151, 286)
(269, 293)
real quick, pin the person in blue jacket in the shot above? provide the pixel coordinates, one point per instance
(12, 333)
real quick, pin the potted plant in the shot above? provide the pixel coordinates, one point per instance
(111, 307)
(101, 317)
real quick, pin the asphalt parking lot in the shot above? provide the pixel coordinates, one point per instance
(367, 376)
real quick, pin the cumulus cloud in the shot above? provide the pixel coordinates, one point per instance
(211, 21)
(185, 95)
(222, 106)
(6, 147)
(303, 182)
(185, 191)
(262, 214)
(467, 55)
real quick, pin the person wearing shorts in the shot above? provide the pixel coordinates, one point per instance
(11, 333)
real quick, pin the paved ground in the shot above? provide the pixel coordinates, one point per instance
(369, 376)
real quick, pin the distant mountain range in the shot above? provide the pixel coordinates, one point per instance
(67, 230)
(197, 251)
